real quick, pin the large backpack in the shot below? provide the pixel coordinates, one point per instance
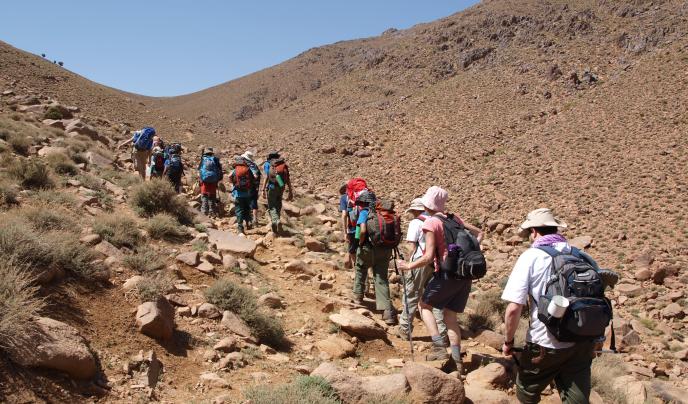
(464, 259)
(243, 179)
(354, 188)
(210, 170)
(158, 161)
(143, 139)
(174, 167)
(589, 311)
(384, 225)
(278, 167)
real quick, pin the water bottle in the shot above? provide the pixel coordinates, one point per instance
(280, 181)
(357, 235)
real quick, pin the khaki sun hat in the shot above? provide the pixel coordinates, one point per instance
(416, 204)
(541, 218)
(248, 155)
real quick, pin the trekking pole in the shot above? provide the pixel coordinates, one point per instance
(406, 306)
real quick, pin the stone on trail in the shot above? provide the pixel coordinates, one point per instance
(131, 283)
(156, 319)
(479, 394)
(235, 324)
(227, 242)
(271, 300)
(209, 310)
(313, 244)
(334, 347)
(429, 385)
(290, 209)
(206, 267)
(642, 274)
(190, 258)
(629, 289)
(394, 385)
(109, 250)
(347, 385)
(493, 374)
(226, 345)
(673, 310)
(214, 380)
(298, 267)
(57, 346)
(490, 338)
(357, 324)
(212, 257)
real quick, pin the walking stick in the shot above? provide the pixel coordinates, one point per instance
(406, 306)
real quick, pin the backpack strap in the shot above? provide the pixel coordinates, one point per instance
(551, 251)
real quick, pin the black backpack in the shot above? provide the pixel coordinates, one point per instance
(589, 311)
(464, 258)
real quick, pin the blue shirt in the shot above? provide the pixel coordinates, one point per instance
(266, 170)
(343, 203)
(363, 216)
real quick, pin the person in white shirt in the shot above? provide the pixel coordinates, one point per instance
(416, 279)
(544, 358)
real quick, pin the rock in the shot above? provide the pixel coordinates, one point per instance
(212, 257)
(334, 347)
(429, 385)
(490, 338)
(214, 380)
(109, 250)
(581, 242)
(347, 386)
(493, 374)
(629, 290)
(673, 310)
(57, 346)
(149, 367)
(235, 324)
(176, 300)
(48, 150)
(229, 261)
(78, 126)
(357, 324)
(280, 358)
(394, 385)
(313, 244)
(271, 300)
(479, 394)
(642, 274)
(98, 159)
(190, 258)
(131, 283)
(320, 208)
(363, 153)
(659, 274)
(90, 239)
(634, 389)
(226, 345)
(290, 209)
(644, 259)
(632, 338)
(681, 355)
(298, 267)
(206, 267)
(227, 242)
(209, 310)
(156, 319)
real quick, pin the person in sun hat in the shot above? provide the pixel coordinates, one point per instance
(545, 358)
(446, 293)
(415, 280)
(248, 156)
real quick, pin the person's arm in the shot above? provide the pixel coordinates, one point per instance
(290, 195)
(474, 231)
(426, 259)
(345, 221)
(511, 320)
(126, 142)
(411, 248)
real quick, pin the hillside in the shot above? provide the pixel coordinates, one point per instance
(510, 105)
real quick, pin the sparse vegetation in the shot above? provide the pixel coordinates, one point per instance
(144, 261)
(158, 196)
(606, 368)
(62, 164)
(486, 312)
(165, 227)
(53, 112)
(19, 302)
(54, 197)
(31, 173)
(119, 230)
(154, 285)
(8, 194)
(44, 217)
(303, 390)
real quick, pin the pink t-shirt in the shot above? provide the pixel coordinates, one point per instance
(434, 225)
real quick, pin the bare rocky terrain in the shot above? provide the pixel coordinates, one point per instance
(579, 106)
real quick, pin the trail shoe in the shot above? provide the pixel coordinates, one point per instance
(402, 333)
(274, 228)
(358, 299)
(609, 278)
(389, 316)
(437, 353)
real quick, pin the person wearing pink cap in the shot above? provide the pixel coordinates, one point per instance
(444, 292)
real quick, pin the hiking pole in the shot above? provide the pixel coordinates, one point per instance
(409, 333)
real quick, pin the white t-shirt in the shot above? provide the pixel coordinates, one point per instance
(529, 278)
(415, 235)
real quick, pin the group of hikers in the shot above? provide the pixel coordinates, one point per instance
(562, 286)
(153, 159)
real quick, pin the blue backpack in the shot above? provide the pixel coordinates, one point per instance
(210, 169)
(143, 139)
(174, 167)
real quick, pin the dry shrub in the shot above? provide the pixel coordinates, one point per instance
(303, 390)
(487, 311)
(122, 178)
(31, 173)
(165, 227)
(18, 303)
(8, 194)
(606, 368)
(56, 198)
(154, 285)
(62, 164)
(119, 230)
(44, 217)
(157, 196)
(144, 261)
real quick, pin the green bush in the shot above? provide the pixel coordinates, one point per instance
(165, 227)
(303, 390)
(144, 261)
(154, 285)
(19, 303)
(62, 164)
(227, 295)
(119, 230)
(157, 196)
(8, 194)
(45, 217)
(31, 173)
(53, 113)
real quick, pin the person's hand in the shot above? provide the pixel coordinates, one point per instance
(402, 265)
(507, 348)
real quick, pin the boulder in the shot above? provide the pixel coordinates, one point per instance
(493, 374)
(206, 267)
(90, 239)
(80, 127)
(629, 290)
(430, 385)
(144, 368)
(298, 267)
(229, 261)
(313, 244)
(53, 123)
(490, 338)
(271, 300)
(581, 242)
(98, 159)
(226, 345)
(334, 347)
(479, 394)
(131, 283)
(642, 274)
(48, 150)
(156, 319)
(57, 346)
(673, 310)
(347, 385)
(394, 385)
(212, 379)
(290, 209)
(357, 324)
(235, 324)
(209, 310)
(190, 258)
(227, 242)
(109, 250)
(212, 257)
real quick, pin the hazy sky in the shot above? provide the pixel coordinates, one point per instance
(175, 47)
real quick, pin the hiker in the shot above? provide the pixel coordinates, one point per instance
(210, 174)
(416, 279)
(347, 228)
(446, 290)
(369, 256)
(276, 178)
(244, 183)
(157, 162)
(174, 166)
(546, 357)
(143, 144)
(248, 157)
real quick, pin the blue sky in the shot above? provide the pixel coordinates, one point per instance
(173, 47)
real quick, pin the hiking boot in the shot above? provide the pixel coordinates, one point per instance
(249, 225)
(389, 316)
(437, 353)
(274, 228)
(358, 299)
(241, 230)
(609, 278)
(402, 333)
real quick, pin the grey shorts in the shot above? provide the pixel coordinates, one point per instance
(442, 293)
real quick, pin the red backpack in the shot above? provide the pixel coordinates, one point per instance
(278, 167)
(384, 225)
(243, 178)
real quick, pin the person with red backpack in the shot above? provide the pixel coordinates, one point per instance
(276, 179)
(453, 248)
(244, 183)
(378, 232)
(210, 173)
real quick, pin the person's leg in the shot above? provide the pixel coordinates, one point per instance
(140, 163)
(381, 257)
(411, 285)
(574, 378)
(273, 199)
(424, 278)
(363, 262)
(247, 205)
(532, 378)
(212, 202)
(454, 334)
(204, 204)
(239, 207)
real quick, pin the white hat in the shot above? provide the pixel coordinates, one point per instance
(416, 204)
(542, 217)
(248, 155)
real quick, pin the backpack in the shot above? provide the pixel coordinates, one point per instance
(174, 167)
(384, 225)
(158, 161)
(464, 259)
(143, 139)
(589, 311)
(278, 167)
(174, 148)
(209, 169)
(243, 179)
(354, 188)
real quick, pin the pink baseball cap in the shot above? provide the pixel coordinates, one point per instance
(435, 198)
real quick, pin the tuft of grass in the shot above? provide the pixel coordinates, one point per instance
(487, 311)
(53, 113)
(19, 302)
(144, 261)
(72, 256)
(227, 295)
(303, 390)
(157, 196)
(121, 178)
(20, 144)
(165, 227)
(119, 230)
(91, 182)
(8, 194)
(62, 164)
(45, 217)
(153, 286)
(606, 368)
(59, 198)
(31, 173)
